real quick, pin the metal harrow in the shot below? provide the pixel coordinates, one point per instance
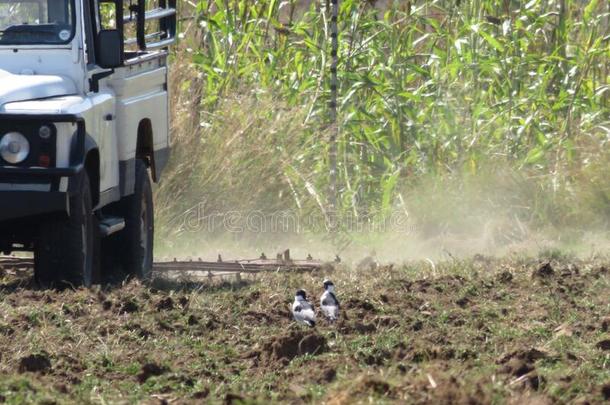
(220, 267)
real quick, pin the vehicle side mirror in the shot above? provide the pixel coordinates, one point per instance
(109, 54)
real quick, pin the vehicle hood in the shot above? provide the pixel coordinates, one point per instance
(30, 87)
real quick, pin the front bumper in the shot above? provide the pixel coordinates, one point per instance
(22, 203)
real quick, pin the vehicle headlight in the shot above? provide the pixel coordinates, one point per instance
(14, 148)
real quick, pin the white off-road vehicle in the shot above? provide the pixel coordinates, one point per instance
(84, 123)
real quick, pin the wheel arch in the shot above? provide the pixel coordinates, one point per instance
(92, 167)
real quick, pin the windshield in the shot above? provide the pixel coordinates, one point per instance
(29, 22)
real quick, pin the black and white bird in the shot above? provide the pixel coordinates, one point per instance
(302, 310)
(329, 302)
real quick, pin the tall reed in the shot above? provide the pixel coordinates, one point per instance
(436, 87)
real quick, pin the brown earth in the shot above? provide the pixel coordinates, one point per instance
(474, 331)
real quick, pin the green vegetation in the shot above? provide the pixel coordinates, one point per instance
(497, 106)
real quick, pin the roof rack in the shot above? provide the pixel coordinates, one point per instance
(165, 14)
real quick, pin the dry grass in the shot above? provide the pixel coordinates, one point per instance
(245, 157)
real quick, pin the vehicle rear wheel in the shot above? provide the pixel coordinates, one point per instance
(66, 253)
(132, 247)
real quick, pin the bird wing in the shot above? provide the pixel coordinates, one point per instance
(336, 299)
(306, 305)
(305, 316)
(329, 298)
(302, 311)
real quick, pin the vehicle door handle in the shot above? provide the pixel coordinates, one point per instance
(108, 117)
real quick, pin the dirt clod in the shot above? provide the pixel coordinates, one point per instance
(201, 394)
(183, 302)
(363, 327)
(297, 343)
(532, 380)
(544, 271)
(505, 277)
(387, 321)
(139, 330)
(462, 302)
(517, 367)
(231, 399)
(603, 344)
(328, 375)
(360, 304)
(606, 391)
(605, 324)
(529, 355)
(6, 330)
(166, 304)
(192, 320)
(376, 385)
(417, 325)
(128, 306)
(150, 370)
(521, 362)
(259, 317)
(35, 363)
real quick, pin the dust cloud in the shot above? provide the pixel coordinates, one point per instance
(504, 214)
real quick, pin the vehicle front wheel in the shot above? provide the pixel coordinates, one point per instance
(66, 252)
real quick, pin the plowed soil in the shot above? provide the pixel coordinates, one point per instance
(482, 330)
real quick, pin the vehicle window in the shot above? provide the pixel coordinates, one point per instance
(27, 22)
